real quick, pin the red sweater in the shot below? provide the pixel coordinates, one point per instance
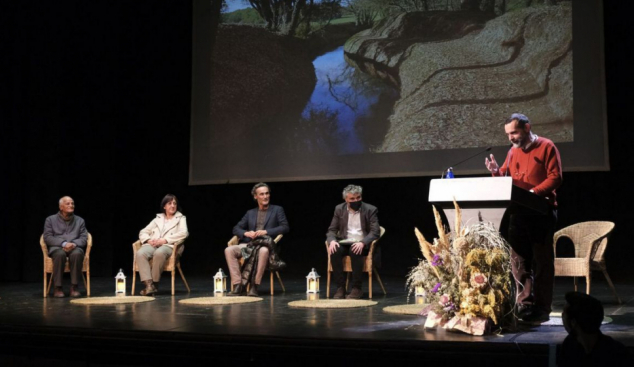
(537, 168)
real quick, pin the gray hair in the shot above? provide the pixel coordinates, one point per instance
(522, 120)
(257, 186)
(61, 200)
(352, 189)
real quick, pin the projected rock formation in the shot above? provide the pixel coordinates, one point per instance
(460, 76)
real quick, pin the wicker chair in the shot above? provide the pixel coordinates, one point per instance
(173, 263)
(368, 267)
(235, 241)
(48, 266)
(590, 240)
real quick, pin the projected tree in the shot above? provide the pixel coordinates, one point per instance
(280, 15)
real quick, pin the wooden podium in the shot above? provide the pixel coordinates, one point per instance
(489, 196)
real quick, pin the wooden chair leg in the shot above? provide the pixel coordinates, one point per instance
(180, 271)
(45, 286)
(347, 281)
(85, 283)
(50, 281)
(133, 280)
(279, 278)
(88, 283)
(271, 282)
(607, 277)
(588, 284)
(173, 281)
(378, 277)
(328, 281)
(370, 284)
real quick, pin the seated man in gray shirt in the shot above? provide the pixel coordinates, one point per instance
(65, 235)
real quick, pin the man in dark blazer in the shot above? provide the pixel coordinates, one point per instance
(354, 226)
(66, 236)
(265, 220)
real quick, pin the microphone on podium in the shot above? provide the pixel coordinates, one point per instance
(448, 173)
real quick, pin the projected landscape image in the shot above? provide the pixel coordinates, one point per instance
(346, 77)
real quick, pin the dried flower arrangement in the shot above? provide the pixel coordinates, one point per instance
(466, 276)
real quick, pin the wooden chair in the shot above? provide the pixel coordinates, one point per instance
(173, 263)
(590, 240)
(48, 266)
(368, 267)
(234, 241)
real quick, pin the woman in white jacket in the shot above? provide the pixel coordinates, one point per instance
(158, 238)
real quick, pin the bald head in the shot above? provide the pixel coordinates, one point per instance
(66, 205)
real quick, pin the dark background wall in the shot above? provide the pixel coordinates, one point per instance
(95, 105)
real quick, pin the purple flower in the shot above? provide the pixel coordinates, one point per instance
(436, 261)
(436, 288)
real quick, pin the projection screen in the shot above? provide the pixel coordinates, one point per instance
(327, 98)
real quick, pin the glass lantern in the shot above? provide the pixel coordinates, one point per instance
(119, 284)
(220, 282)
(312, 282)
(420, 295)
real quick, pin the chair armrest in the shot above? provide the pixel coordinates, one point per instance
(278, 238)
(43, 246)
(372, 248)
(173, 259)
(88, 246)
(557, 236)
(136, 246)
(233, 241)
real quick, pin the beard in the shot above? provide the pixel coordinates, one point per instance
(519, 142)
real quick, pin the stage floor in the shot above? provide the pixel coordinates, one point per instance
(269, 325)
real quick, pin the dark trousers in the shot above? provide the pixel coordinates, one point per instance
(76, 259)
(532, 257)
(336, 260)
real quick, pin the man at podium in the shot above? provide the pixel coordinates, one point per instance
(534, 164)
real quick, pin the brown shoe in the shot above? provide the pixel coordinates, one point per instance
(356, 293)
(253, 292)
(150, 289)
(73, 291)
(340, 293)
(58, 292)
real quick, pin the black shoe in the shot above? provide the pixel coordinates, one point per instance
(523, 310)
(150, 289)
(536, 317)
(237, 291)
(253, 292)
(340, 293)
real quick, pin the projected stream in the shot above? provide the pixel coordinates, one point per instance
(348, 107)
